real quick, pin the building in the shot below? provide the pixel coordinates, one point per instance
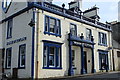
(116, 45)
(45, 40)
(1, 44)
(119, 11)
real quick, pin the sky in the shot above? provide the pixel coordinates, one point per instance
(108, 9)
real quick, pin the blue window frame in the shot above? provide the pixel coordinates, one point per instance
(8, 57)
(73, 29)
(102, 39)
(22, 53)
(52, 56)
(6, 4)
(9, 28)
(103, 60)
(52, 26)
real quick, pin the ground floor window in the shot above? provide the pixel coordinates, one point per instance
(22, 52)
(51, 55)
(8, 57)
(103, 60)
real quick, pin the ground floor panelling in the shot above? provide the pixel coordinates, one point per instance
(56, 59)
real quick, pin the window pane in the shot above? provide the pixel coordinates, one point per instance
(46, 23)
(45, 56)
(9, 26)
(88, 34)
(52, 56)
(8, 58)
(52, 25)
(58, 27)
(22, 55)
(73, 30)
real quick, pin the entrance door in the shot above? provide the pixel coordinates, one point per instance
(85, 61)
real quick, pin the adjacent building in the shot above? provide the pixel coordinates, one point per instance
(116, 45)
(45, 40)
(119, 11)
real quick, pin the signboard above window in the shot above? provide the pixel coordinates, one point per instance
(6, 4)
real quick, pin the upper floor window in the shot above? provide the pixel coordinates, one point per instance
(9, 28)
(73, 29)
(52, 56)
(22, 52)
(6, 4)
(88, 34)
(8, 57)
(102, 39)
(52, 26)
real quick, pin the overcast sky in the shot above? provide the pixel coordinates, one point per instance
(108, 9)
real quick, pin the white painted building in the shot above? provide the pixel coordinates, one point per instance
(44, 40)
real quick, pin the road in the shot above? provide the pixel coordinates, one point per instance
(105, 76)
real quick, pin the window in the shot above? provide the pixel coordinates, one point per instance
(9, 29)
(22, 52)
(52, 26)
(73, 29)
(103, 60)
(52, 56)
(102, 39)
(8, 57)
(118, 53)
(88, 34)
(6, 4)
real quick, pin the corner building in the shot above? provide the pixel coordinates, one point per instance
(44, 40)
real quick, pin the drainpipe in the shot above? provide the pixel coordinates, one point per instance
(32, 24)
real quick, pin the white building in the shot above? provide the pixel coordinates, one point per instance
(44, 40)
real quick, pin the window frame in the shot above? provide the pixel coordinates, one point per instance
(19, 58)
(8, 67)
(90, 34)
(9, 28)
(75, 29)
(55, 26)
(6, 7)
(58, 59)
(102, 42)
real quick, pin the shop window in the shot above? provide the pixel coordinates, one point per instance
(103, 60)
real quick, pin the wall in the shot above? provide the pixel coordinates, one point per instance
(116, 60)
(0, 63)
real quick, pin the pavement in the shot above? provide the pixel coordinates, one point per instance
(93, 76)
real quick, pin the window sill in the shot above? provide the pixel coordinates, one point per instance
(7, 68)
(9, 37)
(102, 44)
(57, 35)
(21, 67)
(52, 68)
